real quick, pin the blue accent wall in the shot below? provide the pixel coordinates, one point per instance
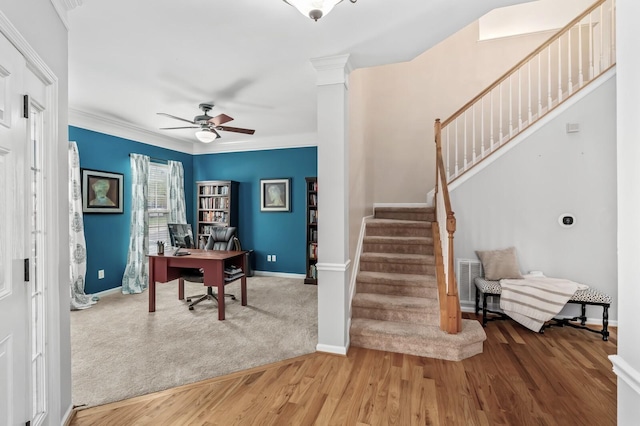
(279, 233)
(107, 235)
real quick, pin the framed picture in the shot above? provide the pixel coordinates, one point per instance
(101, 191)
(275, 195)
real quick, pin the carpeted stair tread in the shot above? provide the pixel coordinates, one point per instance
(406, 209)
(386, 301)
(380, 239)
(397, 279)
(418, 339)
(425, 259)
(399, 223)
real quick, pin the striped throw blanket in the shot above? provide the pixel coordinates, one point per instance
(532, 301)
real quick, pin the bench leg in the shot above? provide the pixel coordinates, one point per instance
(477, 301)
(583, 313)
(605, 323)
(484, 309)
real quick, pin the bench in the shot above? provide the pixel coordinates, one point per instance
(590, 296)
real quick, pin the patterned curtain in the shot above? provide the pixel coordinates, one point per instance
(136, 273)
(177, 206)
(77, 245)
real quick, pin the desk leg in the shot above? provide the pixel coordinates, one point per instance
(221, 306)
(180, 289)
(152, 285)
(243, 281)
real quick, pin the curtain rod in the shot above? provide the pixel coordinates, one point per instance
(156, 160)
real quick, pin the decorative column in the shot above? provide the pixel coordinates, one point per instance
(333, 204)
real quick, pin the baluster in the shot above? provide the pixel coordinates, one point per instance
(570, 80)
(520, 99)
(473, 133)
(510, 107)
(482, 127)
(559, 71)
(464, 148)
(590, 47)
(600, 66)
(500, 133)
(448, 154)
(491, 121)
(580, 47)
(529, 112)
(612, 49)
(549, 100)
(539, 84)
(455, 146)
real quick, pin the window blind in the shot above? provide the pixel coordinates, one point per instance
(158, 203)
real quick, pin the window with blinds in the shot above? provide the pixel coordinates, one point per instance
(158, 203)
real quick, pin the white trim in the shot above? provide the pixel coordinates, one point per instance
(356, 264)
(332, 70)
(626, 372)
(338, 350)
(113, 127)
(108, 291)
(68, 416)
(586, 90)
(335, 267)
(278, 274)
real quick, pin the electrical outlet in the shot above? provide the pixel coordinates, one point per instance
(101, 274)
(273, 257)
(268, 258)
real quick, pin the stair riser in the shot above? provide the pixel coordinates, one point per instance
(397, 248)
(376, 230)
(412, 346)
(397, 315)
(424, 217)
(397, 268)
(397, 290)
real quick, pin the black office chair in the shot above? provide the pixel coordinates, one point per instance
(221, 238)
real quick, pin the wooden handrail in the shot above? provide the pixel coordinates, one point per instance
(512, 70)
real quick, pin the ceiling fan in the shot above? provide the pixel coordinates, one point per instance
(209, 126)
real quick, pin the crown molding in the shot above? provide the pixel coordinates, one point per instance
(63, 6)
(332, 69)
(124, 130)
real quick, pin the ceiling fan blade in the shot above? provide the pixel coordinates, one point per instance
(220, 119)
(175, 128)
(177, 118)
(236, 129)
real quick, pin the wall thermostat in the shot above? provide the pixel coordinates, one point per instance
(566, 220)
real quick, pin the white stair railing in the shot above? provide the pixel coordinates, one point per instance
(579, 53)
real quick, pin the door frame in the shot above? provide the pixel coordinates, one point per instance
(55, 300)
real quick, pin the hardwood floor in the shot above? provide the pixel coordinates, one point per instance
(562, 377)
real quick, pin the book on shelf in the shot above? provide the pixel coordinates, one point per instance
(313, 216)
(313, 251)
(232, 277)
(231, 270)
(313, 200)
(313, 272)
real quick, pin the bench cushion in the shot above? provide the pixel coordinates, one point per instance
(590, 295)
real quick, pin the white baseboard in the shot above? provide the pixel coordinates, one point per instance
(278, 274)
(68, 416)
(338, 350)
(109, 291)
(626, 372)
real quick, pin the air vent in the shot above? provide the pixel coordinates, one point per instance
(467, 271)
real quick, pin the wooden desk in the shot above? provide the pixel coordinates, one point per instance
(165, 268)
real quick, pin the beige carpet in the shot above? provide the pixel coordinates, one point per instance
(120, 350)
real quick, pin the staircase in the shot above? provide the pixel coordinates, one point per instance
(396, 306)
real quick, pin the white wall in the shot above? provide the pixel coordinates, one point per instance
(628, 34)
(38, 23)
(517, 200)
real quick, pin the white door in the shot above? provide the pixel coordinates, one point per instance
(15, 364)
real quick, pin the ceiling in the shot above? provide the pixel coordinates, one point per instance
(129, 60)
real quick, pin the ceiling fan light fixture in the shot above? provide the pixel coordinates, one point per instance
(314, 9)
(206, 135)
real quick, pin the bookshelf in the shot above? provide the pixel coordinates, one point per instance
(312, 230)
(217, 202)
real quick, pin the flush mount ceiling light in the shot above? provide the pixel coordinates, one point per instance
(206, 135)
(314, 9)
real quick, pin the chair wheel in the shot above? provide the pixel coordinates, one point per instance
(189, 300)
(191, 308)
(233, 298)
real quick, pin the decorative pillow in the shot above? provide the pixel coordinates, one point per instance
(499, 264)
